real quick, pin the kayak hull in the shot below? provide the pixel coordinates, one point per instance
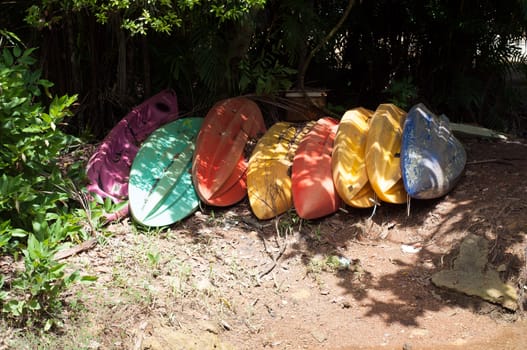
(161, 191)
(108, 169)
(314, 194)
(349, 159)
(268, 174)
(432, 158)
(383, 149)
(219, 165)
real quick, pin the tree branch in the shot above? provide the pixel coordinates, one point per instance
(303, 69)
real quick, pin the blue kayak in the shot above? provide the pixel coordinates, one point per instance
(432, 159)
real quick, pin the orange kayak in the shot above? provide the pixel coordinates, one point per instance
(314, 193)
(383, 149)
(219, 164)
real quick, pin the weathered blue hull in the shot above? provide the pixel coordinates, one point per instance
(432, 159)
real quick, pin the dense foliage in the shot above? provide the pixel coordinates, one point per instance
(137, 16)
(460, 58)
(35, 217)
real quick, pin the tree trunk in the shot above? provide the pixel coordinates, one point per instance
(121, 63)
(146, 67)
(72, 50)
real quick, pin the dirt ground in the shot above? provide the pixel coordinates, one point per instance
(223, 280)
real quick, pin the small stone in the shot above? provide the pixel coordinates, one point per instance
(300, 294)
(501, 268)
(319, 336)
(225, 325)
(94, 345)
(419, 333)
(209, 327)
(204, 285)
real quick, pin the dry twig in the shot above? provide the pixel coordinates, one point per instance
(79, 248)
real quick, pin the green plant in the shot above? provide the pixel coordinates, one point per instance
(329, 263)
(318, 233)
(137, 16)
(286, 223)
(94, 211)
(35, 210)
(315, 266)
(337, 109)
(265, 75)
(179, 283)
(212, 220)
(153, 258)
(30, 141)
(35, 293)
(152, 231)
(402, 92)
(10, 237)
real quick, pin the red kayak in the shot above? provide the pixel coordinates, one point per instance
(220, 163)
(314, 194)
(109, 167)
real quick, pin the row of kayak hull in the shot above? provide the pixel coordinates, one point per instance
(366, 157)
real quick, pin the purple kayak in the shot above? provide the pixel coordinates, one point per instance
(109, 167)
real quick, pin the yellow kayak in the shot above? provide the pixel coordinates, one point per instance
(383, 147)
(268, 173)
(348, 160)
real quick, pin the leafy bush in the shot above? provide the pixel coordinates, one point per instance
(35, 293)
(137, 17)
(265, 75)
(35, 213)
(403, 93)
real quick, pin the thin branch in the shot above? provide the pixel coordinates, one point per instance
(84, 246)
(281, 252)
(484, 161)
(302, 73)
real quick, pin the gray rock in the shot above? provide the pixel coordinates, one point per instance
(471, 275)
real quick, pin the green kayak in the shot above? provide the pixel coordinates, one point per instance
(160, 190)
